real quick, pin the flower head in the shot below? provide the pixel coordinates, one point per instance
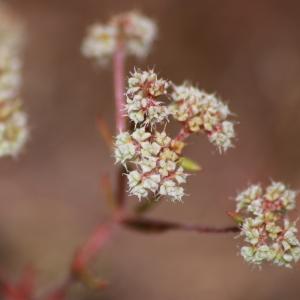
(156, 166)
(266, 229)
(143, 105)
(100, 42)
(202, 112)
(132, 30)
(153, 157)
(138, 32)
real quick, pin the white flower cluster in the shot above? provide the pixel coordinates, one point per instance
(154, 155)
(202, 112)
(133, 30)
(156, 158)
(142, 98)
(13, 121)
(157, 170)
(270, 236)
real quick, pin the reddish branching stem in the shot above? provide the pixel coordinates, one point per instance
(159, 226)
(119, 76)
(88, 251)
(91, 247)
(119, 81)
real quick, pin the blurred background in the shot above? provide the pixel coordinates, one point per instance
(246, 51)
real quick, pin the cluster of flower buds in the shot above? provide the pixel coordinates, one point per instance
(13, 121)
(154, 158)
(265, 227)
(199, 111)
(154, 155)
(131, 30)
(143, 106)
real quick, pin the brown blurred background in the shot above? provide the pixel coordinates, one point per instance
(246, 51)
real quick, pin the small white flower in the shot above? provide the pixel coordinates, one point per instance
(180, 176)
(169, 188)
(134, 178)
(255, 207)
(125, 149)
(247, 253)
(245, 198)
(140, 134)
(251, 234)
(166, 166)
(288, 199)
(274, 191)
(162, 139)
(147, 164)
(150, 149)
(221, 140)
(136, 116)
(152, 182)
(140, 191)
(263, 253)
(295, 252)
(290, 236)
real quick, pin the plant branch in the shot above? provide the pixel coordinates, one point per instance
(159, 226)
(119, 77)
(119, 89)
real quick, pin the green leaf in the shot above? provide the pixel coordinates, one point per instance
(189, 165)
(236, 217)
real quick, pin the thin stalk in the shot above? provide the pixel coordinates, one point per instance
(159, 226)
(119, 88)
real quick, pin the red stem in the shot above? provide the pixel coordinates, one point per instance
(158, 226)
(119, 87)
(119, 69)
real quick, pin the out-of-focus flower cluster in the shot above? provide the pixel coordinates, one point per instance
(154, 158)
(265, 227)
(13, 121)
(132, 30)
(199, 111)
